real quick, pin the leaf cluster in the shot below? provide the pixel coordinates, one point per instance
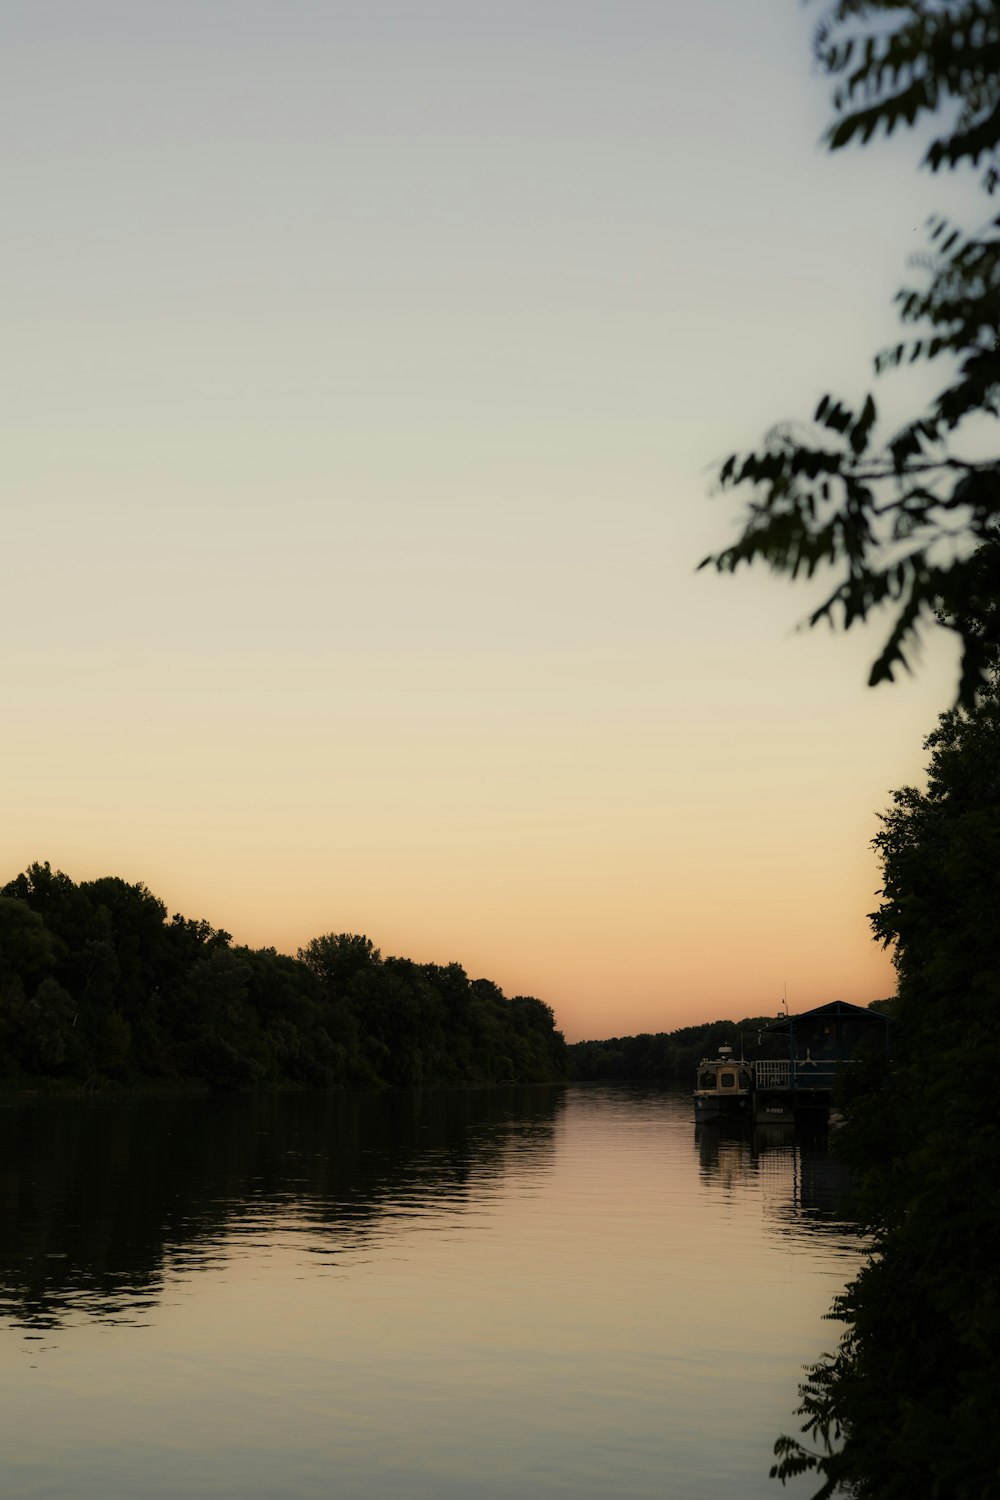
(902, 518)
(896, 61)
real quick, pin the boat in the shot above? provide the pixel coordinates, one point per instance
(723, 1088)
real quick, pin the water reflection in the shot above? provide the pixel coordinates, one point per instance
(802, 1185)
(407, 1297)
(101, 1204)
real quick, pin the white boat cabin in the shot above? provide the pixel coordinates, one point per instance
(722, 1085)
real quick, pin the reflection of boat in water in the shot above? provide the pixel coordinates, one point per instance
(804, 1189)
(723, 1087)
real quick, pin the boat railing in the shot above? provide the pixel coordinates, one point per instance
(803, 1073)
(773, 1074)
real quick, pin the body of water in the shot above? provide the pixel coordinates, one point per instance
(506, 1294)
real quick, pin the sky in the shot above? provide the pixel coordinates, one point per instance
(366, 366)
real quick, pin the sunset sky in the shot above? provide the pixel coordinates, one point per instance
(366, 366)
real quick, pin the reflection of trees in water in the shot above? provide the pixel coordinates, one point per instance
(803, 1185)
(98, 1202)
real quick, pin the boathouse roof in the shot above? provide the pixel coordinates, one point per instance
(835, 1009)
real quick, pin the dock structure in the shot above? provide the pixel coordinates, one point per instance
(821, 1043)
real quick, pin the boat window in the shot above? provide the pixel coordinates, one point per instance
(744, 1080)
(727, 1080)
(707, 1080)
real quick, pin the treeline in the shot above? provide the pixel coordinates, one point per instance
(97, 986)
(667, 1056)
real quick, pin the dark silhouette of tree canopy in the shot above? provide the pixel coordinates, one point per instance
(900, 518)
(911, 1391)
(97, 987)
(909, 523)
(672, 1055)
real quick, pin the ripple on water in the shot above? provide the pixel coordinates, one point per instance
(572, 1291)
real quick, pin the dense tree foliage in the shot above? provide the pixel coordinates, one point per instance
(906, 1404)
(902, 517)
(98, 986)
(672, 1056)
(909, 521)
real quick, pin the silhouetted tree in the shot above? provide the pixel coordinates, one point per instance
(912, 1389)
(899, 517)
(97, 986)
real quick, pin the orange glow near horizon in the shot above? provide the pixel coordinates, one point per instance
(694, 883)
(357, 463)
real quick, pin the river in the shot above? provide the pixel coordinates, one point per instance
(481, 1295)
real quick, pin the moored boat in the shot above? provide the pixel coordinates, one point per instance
(723, 1087)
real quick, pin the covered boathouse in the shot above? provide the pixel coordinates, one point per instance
(820, 1043)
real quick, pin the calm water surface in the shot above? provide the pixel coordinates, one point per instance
(522, 1293)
